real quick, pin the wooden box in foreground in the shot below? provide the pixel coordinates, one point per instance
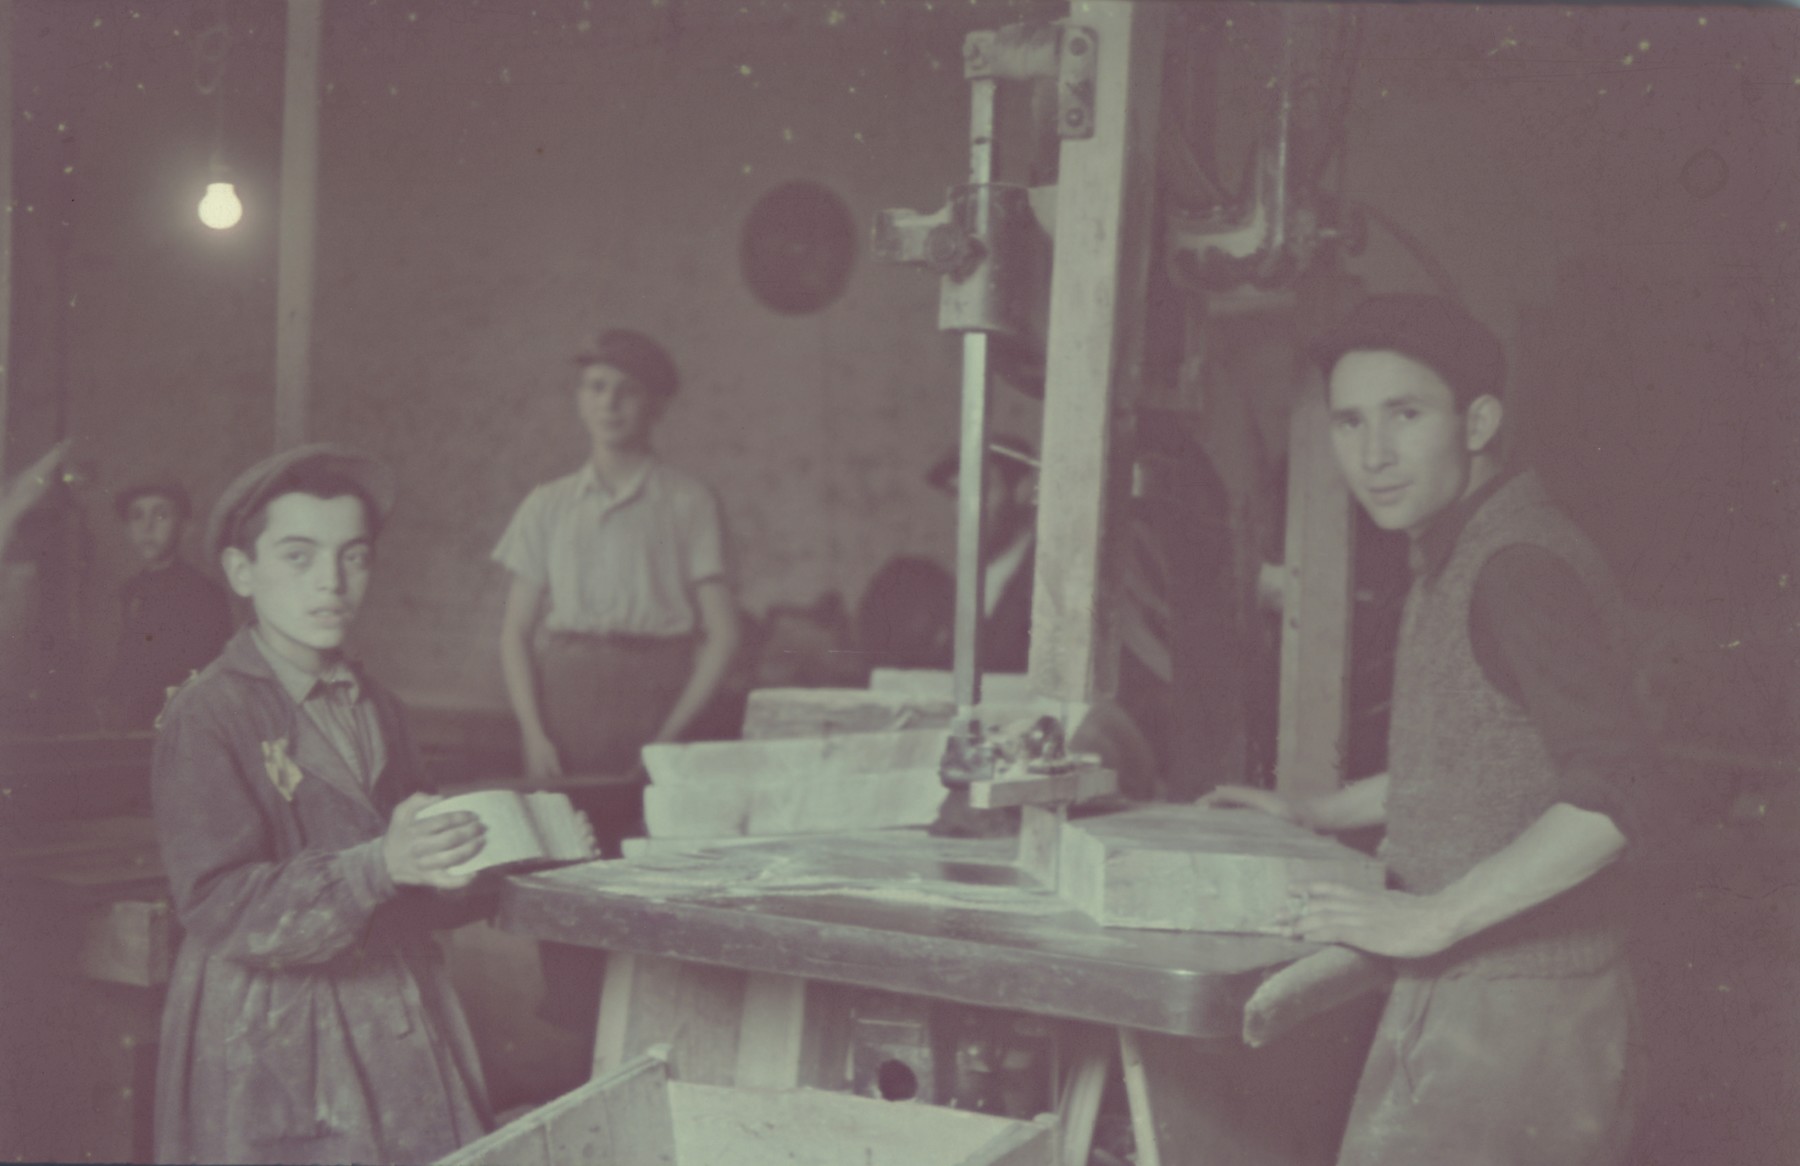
(638, 1116)
(1184, 868)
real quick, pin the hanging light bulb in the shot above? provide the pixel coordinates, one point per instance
(220, 208)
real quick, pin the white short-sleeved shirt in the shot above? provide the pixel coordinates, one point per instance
(618, 563)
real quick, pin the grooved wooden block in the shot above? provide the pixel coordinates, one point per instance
(802, 785)
(1183, 868)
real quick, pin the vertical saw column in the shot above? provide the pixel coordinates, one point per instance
(1104, 242)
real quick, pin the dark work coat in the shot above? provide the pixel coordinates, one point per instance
(309, 1017)
(174, 621)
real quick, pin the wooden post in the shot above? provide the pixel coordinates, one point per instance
(299, 207)
(1104, 244)
(6, 217)
(1315, 621)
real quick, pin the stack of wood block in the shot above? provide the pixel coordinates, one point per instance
(1187, 868)
(824, 760)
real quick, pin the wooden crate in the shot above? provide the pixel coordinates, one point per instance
(639, 1116)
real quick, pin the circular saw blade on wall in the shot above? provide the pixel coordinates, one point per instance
(797, 248)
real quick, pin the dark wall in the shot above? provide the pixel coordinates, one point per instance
(495, 181)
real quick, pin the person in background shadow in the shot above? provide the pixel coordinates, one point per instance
(174, 619)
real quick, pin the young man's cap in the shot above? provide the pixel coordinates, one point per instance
(252, 487)
(1437, 332)
(636, 355)
(1015, 459)
(160, 487)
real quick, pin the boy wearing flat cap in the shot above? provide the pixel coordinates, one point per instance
(620, 622)
(1516, 779)
(309, 1015)
(173, 621)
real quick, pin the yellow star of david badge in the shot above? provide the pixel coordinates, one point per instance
(281, 768)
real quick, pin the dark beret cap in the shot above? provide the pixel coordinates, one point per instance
(252, 488)
(1432, 330)
(168, 488)
(636, 355)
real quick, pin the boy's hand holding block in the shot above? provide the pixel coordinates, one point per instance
(429, 846)
(515, 828)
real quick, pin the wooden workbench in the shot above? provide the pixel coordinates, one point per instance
(716, 947)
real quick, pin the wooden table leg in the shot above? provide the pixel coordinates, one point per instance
(1079, 1108)
(1137, 1093)
(695, 1008)
(771, 1043)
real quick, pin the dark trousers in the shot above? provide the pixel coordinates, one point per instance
(1500, 1072)
(603, 698)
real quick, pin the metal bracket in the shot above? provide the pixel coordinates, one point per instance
(1064, 53)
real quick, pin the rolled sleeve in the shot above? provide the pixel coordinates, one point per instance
(704, 537)
(1541, 640)
(524, 548)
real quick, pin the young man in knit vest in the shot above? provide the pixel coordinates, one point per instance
(1509, 800)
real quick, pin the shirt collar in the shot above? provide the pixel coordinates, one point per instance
(1431, 547)
(590, 483)
(302, 685)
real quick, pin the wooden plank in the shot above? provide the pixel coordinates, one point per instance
(820, 757)
(806, 1127)
(1186, 868)
(648, 1001)
(775, 713)
(1104, 242)
(858, 781)
(297, 244)
(6, 218)
(1315, 625)
(1078, 785)
(797, 805)
(935, 684)
(621, 1119)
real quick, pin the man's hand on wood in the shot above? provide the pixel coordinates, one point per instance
(1390, 923)
(421, 850)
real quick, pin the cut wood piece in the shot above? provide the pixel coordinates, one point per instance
(811, 785)
(780, 713)
(996, 687)
(1185, 868)
(1042, 789)
(773, 713)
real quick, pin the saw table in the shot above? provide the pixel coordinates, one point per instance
(714, 948)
